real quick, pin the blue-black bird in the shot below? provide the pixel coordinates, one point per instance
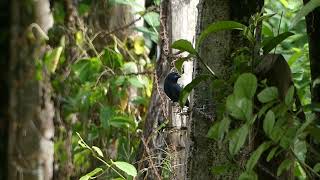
(172, 88)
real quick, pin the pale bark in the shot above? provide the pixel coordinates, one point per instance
(30, 146)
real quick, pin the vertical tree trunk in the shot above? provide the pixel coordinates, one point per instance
(30, 149)
(313, 30)
(215, 51)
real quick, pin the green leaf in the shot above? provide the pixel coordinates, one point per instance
(111, 58)
(268, 94)
(275, 41)
(184, 46)
(122, 122)
(268, 122)
(289, 137)
(265, 108)
(126, 167)
(238, 139)
(220, 170)
(255, 156)
(179, 62)
(316, 168)
(152, 18)
(87, 69)
(248, 175)
(246, 85)
(272, 153)
(218, 129)
(219, 26)
(188, 88)
(97, 150)
(105, 115)
(305, 10)
(289, 96)
(90, 174)
(239, 108)
(284, 166)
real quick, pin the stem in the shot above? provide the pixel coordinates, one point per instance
(205, 65)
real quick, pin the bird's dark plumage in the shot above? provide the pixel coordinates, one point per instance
(172, 88)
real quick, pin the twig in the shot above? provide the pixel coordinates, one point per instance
(150, 161)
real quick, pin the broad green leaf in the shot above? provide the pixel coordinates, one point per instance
(300, 149)
(97, 150)
(149, 33)
(218, 129)
(268, 94)
(289, 137)
(284, 166)
(152, 18)
(188, 88)
(248, 175)
(275, 41)
(289, 96)
(239, 108)
(122, 122)
(305, 10)
(246, 85)
(52, 58)
(111, 58)
(272, 153)
(90, 174)
(238, 139)
(219, 26)
(213, 132)
(276, 134)
(138, 81)
(87, 69)
(316, 168)
(268, 122)
(184, 46)
(126, 167)
(255, 156)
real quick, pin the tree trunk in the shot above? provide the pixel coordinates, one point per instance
(313, 30)
(30, 146)
(215, 51)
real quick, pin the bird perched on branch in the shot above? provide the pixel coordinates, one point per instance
(172, 88)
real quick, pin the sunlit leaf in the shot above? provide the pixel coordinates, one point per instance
(97, 150)
(90, 174)
(305, 10)
(184, 46)
(126, 167)
(152, 18)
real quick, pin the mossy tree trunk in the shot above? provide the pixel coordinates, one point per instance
(216, 52)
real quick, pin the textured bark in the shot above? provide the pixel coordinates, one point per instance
(215, 51)
(30, 146)
(153, 137)
(313, 31)
(183, 21)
